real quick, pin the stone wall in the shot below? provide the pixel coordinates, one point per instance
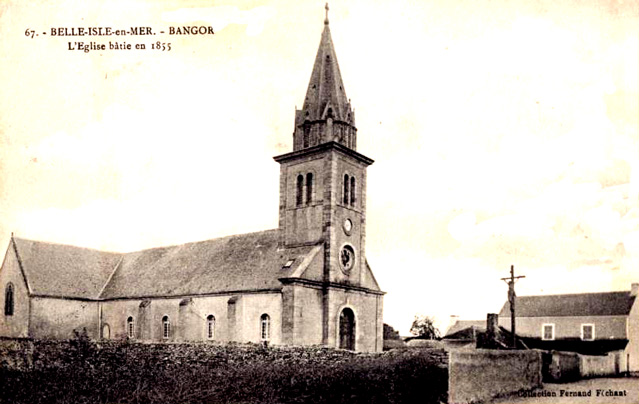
(17, 324)
(591, 366)
(567, 366)
(477, 375)
(188, 317)
(561, 366)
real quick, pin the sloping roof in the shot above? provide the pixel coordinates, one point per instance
(464, 324)
(325, 86)
(236, 263)
(582, 304)
(64, 270)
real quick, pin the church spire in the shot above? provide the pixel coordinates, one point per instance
(326, 114)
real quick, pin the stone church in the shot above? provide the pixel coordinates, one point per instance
(306, 282)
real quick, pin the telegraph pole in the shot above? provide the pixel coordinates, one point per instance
(511, 299)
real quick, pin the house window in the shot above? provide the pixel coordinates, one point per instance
(265, 327)
(346, 189)
(548, 332)
(309, 188)
(130, 327)
(210, 327)
(352, 191)
(166, 327)
(588, 332)
(300, 189)
(8, 300)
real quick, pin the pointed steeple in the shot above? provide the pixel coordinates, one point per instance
(326, 113)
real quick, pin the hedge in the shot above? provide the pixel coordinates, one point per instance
(83, 371)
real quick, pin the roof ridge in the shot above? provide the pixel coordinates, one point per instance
(199, 241)
(66, 245)
(577, 294)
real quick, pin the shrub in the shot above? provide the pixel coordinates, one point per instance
(81, 371)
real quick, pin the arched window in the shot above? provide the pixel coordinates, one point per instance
(166, 327)
(309, 188)
(106, 331)
(8, 300)
(300, 189)
(352, 191)
(210, 327)
(346, 189)
(130, 327)
(265, 327)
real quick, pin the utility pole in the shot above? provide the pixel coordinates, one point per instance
(511, 299)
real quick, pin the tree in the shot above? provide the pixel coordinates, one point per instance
(390, 333)
(423, 327)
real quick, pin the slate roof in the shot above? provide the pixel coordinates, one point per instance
(325, 87)
(229, 264)
(64, 270)
(235, 263)
(582, 304)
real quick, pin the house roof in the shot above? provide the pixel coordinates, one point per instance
(64, 270)
(242, 262)
(577, 305)
(464, 324)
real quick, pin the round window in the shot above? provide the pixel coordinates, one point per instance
(347, 259)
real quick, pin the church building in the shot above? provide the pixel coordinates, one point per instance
(305, 283)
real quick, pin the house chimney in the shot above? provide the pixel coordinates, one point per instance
(491, 323)
(634, 289)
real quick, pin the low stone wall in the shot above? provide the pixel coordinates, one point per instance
(477, 375)
(561, 366)
(592, 366)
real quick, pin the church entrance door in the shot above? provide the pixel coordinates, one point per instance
(347, 329)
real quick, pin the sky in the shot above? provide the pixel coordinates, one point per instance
(504, 132)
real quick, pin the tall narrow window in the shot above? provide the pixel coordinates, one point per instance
(300, 189)
(307, 136)
(352, 191)
(265, 327)
(548, 332)
(166, 327)
(210, 327)
(309, 188)
(8, 300)
(130, 327)
(346, 189)
(588, 332)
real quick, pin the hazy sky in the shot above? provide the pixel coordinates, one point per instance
(503, 132)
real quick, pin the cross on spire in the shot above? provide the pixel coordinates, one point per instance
(326, 19)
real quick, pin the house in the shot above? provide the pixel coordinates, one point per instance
(464, 333)
(587, 323)
(306, 282)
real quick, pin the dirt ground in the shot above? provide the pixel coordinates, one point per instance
(600, 391)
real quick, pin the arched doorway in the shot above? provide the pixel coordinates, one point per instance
(347, 329)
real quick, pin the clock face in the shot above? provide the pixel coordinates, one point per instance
(348, 226)
(347, 259)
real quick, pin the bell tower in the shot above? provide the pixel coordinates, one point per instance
(323, 180)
